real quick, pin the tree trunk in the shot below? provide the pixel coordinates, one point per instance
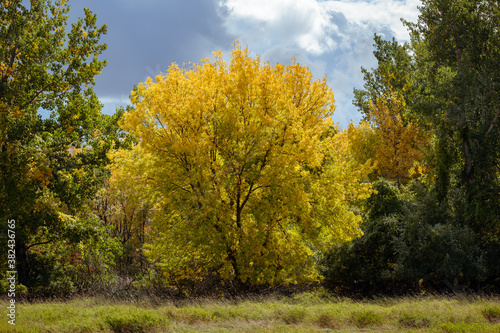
(22, 262)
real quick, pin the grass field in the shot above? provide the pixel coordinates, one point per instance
(307, 312)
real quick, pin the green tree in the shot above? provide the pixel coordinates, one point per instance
(249, 179)
(395, 73)
(49, 166)
(448, 78)
(366, 264)
(389, 101)
(409, 245)
(463, 48)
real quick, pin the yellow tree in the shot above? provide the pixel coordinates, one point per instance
(392, 144)
(402, 143)
(248, 179)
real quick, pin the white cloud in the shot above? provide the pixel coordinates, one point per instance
(304, 23)
(110, 104)
(308, 24)
(332, 37)
(117, 100)
(378, 13)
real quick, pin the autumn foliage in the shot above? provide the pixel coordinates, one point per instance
(395, 146)
(231, 176)
(402, 143)
(246, 170)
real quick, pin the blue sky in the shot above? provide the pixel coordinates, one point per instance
(332, 37)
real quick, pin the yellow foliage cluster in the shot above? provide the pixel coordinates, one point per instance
(402, 142)
(362, 143)
(6, 70)
(248, 178)
(392, 144)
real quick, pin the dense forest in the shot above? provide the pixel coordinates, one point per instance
(231, 177)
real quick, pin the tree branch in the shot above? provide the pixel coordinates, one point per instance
(40, 243)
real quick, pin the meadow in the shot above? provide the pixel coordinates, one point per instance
(305, 312)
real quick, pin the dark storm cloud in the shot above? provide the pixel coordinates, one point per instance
(145, 37)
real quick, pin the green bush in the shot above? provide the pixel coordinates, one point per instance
(410, 242)
(366, 265)
(62, 268)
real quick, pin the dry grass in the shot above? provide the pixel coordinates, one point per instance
(307, 312)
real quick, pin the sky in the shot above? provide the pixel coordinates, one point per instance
(334, 38)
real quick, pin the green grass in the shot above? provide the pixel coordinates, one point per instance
(307, 312)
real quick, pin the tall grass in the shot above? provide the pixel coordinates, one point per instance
(306, 312)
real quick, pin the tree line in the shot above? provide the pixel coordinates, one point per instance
(232, 177)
